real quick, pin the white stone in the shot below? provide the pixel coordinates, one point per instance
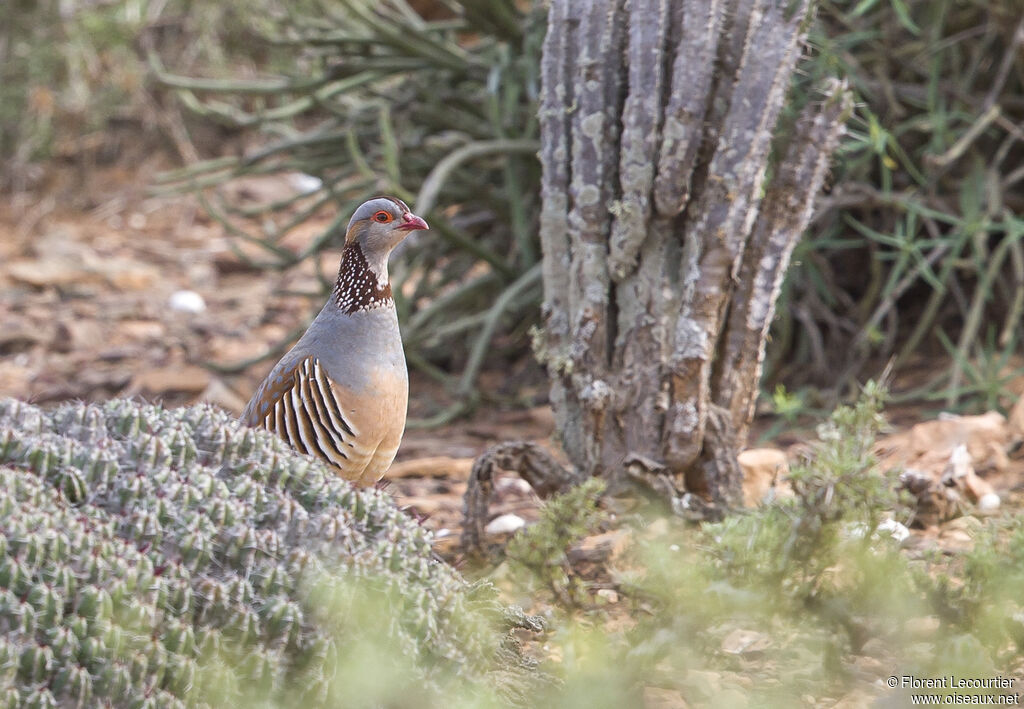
(512, 485)
(505, 524)
(960, 464)
(989, 502)
(887, 527)
(741, 642)
(187, 301)
(305, 184)
(897, 531)
(856, 530)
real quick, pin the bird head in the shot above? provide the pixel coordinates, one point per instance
(379, 224)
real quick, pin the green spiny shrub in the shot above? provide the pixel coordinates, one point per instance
(810, 595)
(153, 557)
(541, 549)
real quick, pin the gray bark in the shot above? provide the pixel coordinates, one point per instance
(662, 260)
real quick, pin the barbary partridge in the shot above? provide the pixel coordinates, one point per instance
(340, 394)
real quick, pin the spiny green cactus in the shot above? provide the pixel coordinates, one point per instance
(154, 558)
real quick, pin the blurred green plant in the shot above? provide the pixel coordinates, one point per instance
(72, 76)
(788, 409)
(174, 558)
(541, 550)
(917, 250)
(788, 552)
(50, 68)
(977, 593)
(804, 601)
(789, 405)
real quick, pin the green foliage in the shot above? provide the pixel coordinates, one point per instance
(30, 60)
(154, 557)
(804, 601)
(72, 75)
(794, 544)
(786, 404)
(982, 597)
(918, 247)
(65, 69)
(541, 549)
(816, 566)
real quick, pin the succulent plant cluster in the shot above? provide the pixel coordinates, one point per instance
(153, 557)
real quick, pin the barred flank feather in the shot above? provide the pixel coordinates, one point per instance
(308, 415)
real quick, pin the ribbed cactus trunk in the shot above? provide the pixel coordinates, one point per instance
(664, 246)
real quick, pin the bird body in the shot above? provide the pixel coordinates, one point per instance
(341, 393)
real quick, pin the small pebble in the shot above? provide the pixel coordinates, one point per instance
(305, 184)
(514, 485)
(505, 524)
(988, 502)
(897, 531)
(187, 301)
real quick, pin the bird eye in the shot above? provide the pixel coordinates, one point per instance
(382, 217)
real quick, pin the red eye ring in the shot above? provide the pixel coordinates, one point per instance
(382, 217)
